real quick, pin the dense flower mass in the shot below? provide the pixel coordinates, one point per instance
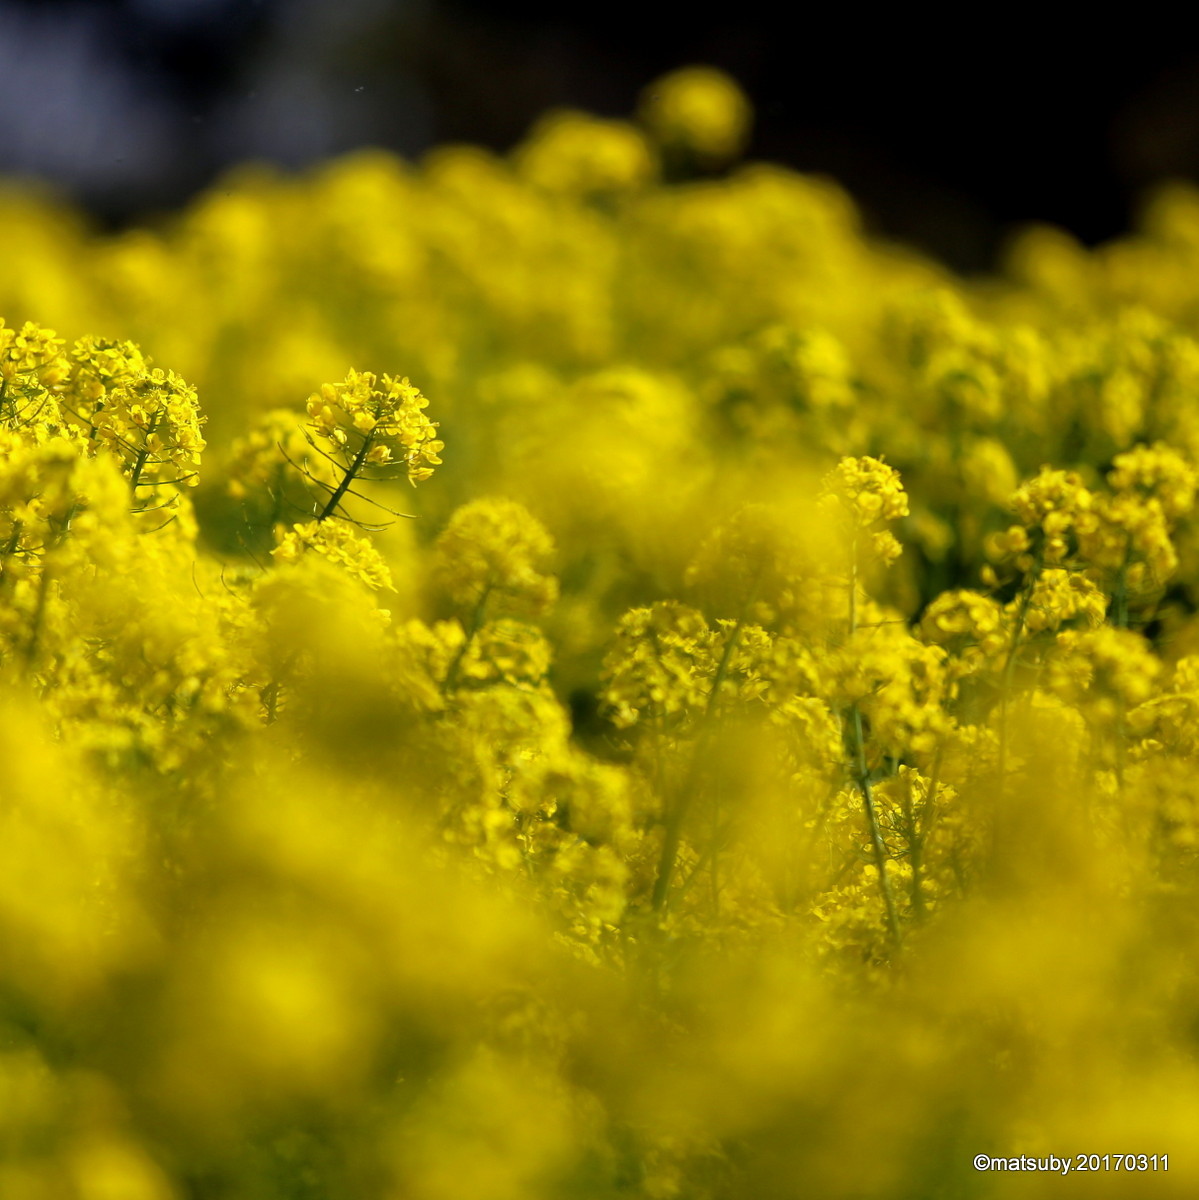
(760, 760)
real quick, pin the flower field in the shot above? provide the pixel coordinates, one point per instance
(587, 675)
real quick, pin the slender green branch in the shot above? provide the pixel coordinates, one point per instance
(351, 473)
(915, 857)
(472, 628)
(270, 700)
(921, 827)
(1009, 667)
(14, 539)
(39, 617)
(270, 694)
(1120, 594)
(143, 454)
(878, 848)
(678, 811)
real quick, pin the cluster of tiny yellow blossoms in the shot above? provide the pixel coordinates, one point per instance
(865, 494)
(339, 543)
(760, 760)
(698, 110)
(493, 551)
(386, 422)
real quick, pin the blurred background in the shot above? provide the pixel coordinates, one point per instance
(948, 139)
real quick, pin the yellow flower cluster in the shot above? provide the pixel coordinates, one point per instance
(867, 494)
(1106, 670)
(494, 551)
(339, 543)
(1058, 596)
(768, 753)
(661, 664)
(699, 110)
(384, 419)
(579, 157)
(30, 352)
(1049, 509)
(970, 625)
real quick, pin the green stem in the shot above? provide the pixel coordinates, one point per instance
(1009, 668)
(674, 821)
(351, 473)
(10, 547)
(270, 694)
(921, 827)
(270, 701)
(915, 853)
(878, 848)
(142, 456)
(39, 615)
(1120, 595)
(472, 628)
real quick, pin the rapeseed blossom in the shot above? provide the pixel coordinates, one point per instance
(761, 757)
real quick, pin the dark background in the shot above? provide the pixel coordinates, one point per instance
(949, 136)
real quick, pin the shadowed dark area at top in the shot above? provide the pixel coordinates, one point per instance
(947, 139)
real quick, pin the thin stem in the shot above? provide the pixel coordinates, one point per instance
(142, 455)
(1120, 595)
(863, 773)
(270, 694)
(270, 701)
(39, 616)
(674, 821)
(919, 826)
(921, 829)
(351, 473)
(349, 491)
(915, 858)
(10, 547)
(472, 628)
(1009, 668)
(877, 846)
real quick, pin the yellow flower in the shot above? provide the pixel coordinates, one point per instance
(863, 494)
(495, 552)
(699, 110)
(572, 154)
(1052, 505)
(380, 421)
(336, 541)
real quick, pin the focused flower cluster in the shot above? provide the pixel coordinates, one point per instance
(760, 759)
(388, 420)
